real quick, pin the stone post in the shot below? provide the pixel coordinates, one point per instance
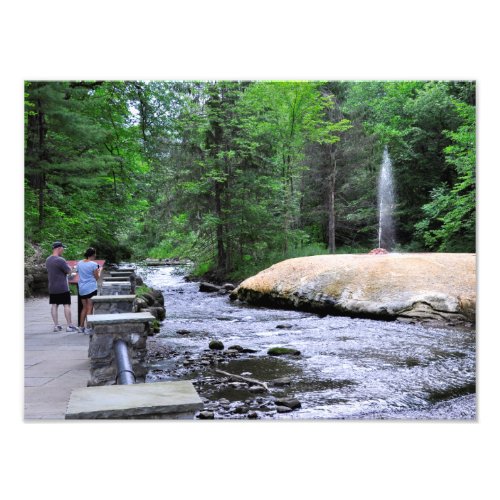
(133, 328)
(115, 288)
(113, 304)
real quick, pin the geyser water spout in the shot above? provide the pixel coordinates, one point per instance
(386, 235)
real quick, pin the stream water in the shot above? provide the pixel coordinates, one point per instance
(348, 368)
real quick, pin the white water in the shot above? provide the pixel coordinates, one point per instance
(386, 238)
(349, 368)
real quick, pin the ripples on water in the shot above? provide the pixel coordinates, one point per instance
(349, 368)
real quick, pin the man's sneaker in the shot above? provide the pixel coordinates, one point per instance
(58, 328)
(71, 328)
(88, 331)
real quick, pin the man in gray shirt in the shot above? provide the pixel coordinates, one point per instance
(58, 270)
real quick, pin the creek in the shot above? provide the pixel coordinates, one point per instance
(349, 368)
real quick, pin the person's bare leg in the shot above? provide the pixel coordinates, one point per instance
(83, 314)
(67, 313)
(90, 306)
(53, 312)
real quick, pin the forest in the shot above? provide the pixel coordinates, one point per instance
(238, 175)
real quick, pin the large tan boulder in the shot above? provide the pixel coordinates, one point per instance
(439, 286)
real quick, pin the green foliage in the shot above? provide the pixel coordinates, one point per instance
(257, 261)
(81, 160)
(237, 175)
(450, 217)
(141, 290)
(203, 268)
(412, 119)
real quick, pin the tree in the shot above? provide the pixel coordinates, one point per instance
(410, 118)
(450, 217)
(238, 175)
(283, 117)
(76, 164)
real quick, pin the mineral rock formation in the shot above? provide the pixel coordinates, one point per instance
(434, 286)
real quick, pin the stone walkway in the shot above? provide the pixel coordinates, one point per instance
(54, 363)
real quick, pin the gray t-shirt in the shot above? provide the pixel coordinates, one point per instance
(58, 271)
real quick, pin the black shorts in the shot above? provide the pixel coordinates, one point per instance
(60, 298)
(89, 295)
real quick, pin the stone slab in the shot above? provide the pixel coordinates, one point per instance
(53, 362)
(115, 279)
(47, 348)
(70, 379)
(33, 357)
(115, 288)
(113, 319)
(36, 381)
(57, 367)
(47, 402)
(121, 273)
(113, 298)
(134, 401)
(113, 307)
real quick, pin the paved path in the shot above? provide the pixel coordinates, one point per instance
(54, 363)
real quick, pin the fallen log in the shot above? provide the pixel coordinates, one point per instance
(244, 379)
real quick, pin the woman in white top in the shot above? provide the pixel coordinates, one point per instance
(88, 272)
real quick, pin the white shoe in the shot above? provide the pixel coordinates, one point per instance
(71, 328)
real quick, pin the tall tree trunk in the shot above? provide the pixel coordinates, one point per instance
(35, 154)
(331, 201)
(221, 251)
(41, 201)
(227, 230)
(286, 204)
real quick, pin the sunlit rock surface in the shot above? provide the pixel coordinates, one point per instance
(437, 286)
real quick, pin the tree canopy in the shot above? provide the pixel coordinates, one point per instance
(237, 175)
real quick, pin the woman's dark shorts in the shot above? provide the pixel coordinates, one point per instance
(89, 295)
(60, 298)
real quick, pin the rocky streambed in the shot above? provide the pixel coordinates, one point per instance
(332, 367)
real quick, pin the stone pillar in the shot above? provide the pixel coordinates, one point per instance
(121, 279)
(115, 288)
(133, 328)
(113, 304)
(117, 277)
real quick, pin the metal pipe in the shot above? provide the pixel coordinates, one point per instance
(125, 374)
